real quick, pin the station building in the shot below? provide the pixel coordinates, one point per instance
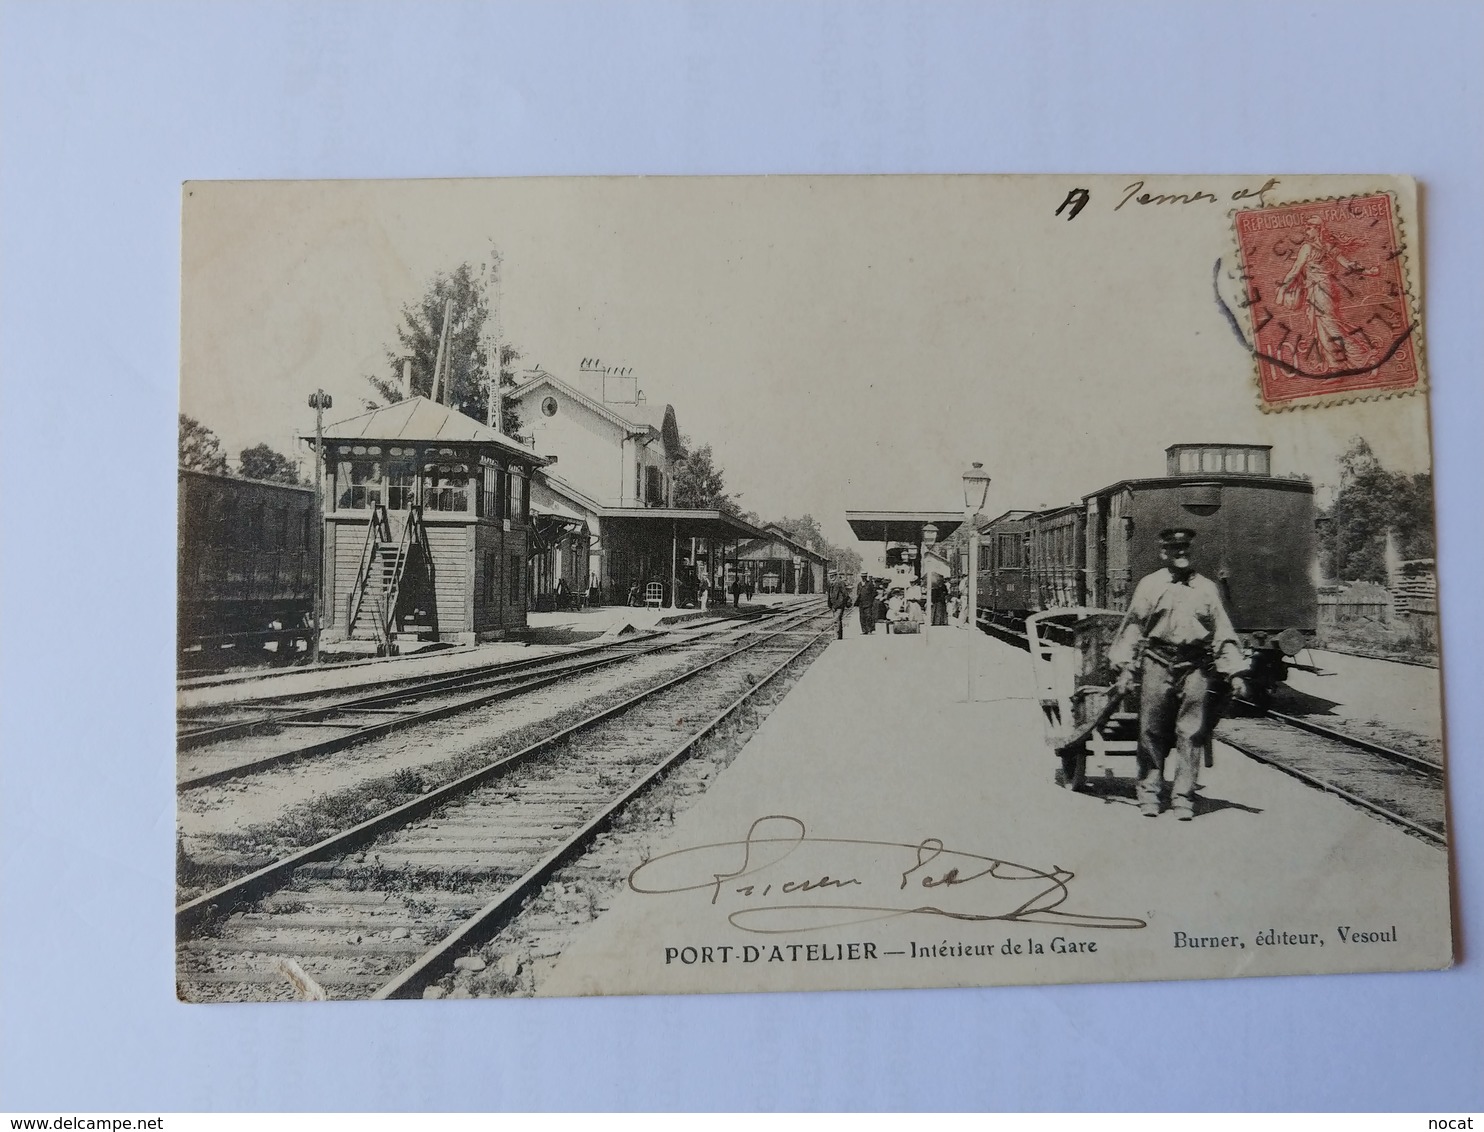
(604, 515)
(777, 563)
(427, 526)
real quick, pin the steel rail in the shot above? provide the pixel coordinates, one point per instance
(1330, 788)
(222, 900)
(395, 685)
(355, 735)
(1426, 766)
(439, 959)
(402, 687)
(410, 686)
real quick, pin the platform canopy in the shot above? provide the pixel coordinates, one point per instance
(679, 522)
(901, 526)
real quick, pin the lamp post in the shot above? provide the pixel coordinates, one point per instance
(976, 491)
(929, 537)
(319, 401)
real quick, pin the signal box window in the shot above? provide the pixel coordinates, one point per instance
(515, 497)
(361, 485)
(401, 485)
(448, 490)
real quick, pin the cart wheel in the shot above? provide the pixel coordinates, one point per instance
(1073, 770)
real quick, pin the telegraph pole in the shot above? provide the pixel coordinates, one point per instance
(496, 399)
(319, 401)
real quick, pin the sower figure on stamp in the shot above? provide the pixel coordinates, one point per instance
(839, 603)
(1179, 639)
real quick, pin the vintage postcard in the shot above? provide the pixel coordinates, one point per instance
(655, 585)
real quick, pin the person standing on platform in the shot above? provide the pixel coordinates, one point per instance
(865, 600)
(839, 602)
(939, 590)
(1178, 637)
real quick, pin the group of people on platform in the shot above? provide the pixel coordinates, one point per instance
(900, 605)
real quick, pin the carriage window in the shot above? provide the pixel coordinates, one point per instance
(1009, 551)
(1257, 463)
(448, 489)
(1190, 461)
(360, 484)
(1211, 460)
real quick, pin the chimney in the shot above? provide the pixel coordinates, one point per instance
(407, 377)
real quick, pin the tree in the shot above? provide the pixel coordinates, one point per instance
(699, 480)
(200, 450)
(806, 530)
(262, 463)
(468, 362)
(1370, 504)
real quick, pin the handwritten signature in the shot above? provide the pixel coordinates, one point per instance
(787, 881)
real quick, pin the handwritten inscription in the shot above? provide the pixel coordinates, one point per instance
(778, 879)
(1138, 193)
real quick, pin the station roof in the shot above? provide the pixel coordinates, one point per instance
(901, 526)
(420, 420)
(681, 522)
(775, 533)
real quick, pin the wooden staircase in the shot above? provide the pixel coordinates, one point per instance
(387, 603)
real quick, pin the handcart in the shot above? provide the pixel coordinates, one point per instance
(1083, 715)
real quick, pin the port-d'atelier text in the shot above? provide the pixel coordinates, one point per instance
(777, 953)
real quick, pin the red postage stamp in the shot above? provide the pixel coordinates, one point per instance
(1332, 316)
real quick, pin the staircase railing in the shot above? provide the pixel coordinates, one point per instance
(412, 535)
(378, 530)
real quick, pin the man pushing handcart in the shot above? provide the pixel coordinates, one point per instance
(1143, 682)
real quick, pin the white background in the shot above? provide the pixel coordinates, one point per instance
(105, 109)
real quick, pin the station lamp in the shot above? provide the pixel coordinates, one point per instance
(976, 488)
(976, 491)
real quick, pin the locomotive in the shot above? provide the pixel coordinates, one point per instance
(1255, 539)
(245, 557)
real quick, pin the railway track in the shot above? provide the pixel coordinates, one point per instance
(390, 906)
(281, 732)
(1399, 787)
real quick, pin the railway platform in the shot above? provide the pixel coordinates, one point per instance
(876, 769)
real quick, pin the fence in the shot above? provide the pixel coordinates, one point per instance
(1360, 601)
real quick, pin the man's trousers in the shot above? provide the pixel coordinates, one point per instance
(1174, 711)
